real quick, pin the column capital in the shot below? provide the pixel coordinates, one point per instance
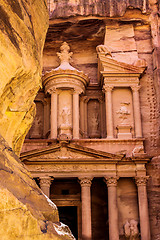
(142, 180)
(45, 181)
(108, 88)
(111, 181)
(135, 88)
(51, 90)
(84, 181)
(77, 91)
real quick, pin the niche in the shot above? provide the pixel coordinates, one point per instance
(93, 118)
(36, 130)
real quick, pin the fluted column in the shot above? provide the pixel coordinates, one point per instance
(109, 112)
(112, 208)
(143, 207)
(75, 115)
(45, 183)
(137, 111)
(86, 208)
(54, 114)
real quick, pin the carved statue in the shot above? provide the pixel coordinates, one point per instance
(95, 121)
(65, 116)
(123, 111)
(131, 230)
(36, 130)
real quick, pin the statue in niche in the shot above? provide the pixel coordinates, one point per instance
(131, 230)
(123, 112)
(65, 114)
(36, 130)
(93, 119)
(95, 122)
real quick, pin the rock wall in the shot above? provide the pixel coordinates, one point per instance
(23, 26)
(24, 209)
(25, 212)
(112, 8)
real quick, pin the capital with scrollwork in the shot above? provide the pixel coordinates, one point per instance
(50, 89)
(111, 181)
(108, 88)
(85, 182)
(142, 180)
(135, 88)
(45, 181)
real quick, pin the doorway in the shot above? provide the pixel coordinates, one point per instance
(68, 216)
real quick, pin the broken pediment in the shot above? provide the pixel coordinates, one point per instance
(109, 67)
(67, 151)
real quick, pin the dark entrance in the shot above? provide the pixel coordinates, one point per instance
(68, 216)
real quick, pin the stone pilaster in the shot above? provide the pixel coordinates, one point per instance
(86, 208)
(112, 207)
(143, 207)
(109, 111)
(137, 111)
(75, 115)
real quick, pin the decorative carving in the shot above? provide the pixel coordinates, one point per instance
(138, 149)
(63, 153)
(85, 182)
(51, 90)
(36, 130)
(64, 55)
(142, 180)
(95, 122)
(65, 114)
(131, 230)
(108, 88)
(45, 181)
(135, 88)
(93, 118)
(123, 112)
(111, 181)
(104, 50)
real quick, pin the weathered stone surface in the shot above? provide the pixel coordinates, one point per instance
(111, 8)
(25, 212)
(20, 65)
(24, 209)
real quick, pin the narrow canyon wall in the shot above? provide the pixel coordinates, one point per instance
(23, 26)
(25, 212)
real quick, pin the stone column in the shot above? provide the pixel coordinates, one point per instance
(86, 117)
(86, 208)
(137, 111)
(143, 207)
(54, 114)
(82, 120)
(75, 115)
(109, 112)
(112, 208)
(45, 183)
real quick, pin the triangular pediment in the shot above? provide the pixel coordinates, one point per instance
(109, 65)
(66, 151)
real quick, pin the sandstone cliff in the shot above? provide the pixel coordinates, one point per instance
(25, 212)
(23, 27)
